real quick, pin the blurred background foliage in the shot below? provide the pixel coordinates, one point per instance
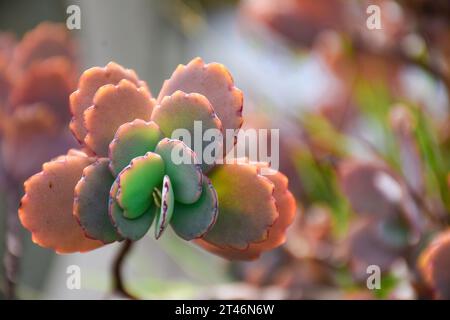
(364, 139)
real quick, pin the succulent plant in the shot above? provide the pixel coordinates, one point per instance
(125, 177)
(37, 75)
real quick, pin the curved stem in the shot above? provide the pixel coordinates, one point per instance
(118, 283)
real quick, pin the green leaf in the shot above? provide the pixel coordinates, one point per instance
(132, 229)
(91, 202)
(137, 182)
(192, 221)
(320, 186)
(186, 117)
(132, 139)
(182, 168)
(247, 207)
(436, 167)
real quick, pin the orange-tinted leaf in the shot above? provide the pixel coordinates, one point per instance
(46, 40)
(47, 208)
(214, 82)
(184, 111)
(286, 206)
(113, 106)
(49, 82)
(247, 207)
(90, 81)
(285, 203)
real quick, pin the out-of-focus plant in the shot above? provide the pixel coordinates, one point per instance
(127, 176)
(372, 160)
(37, 74)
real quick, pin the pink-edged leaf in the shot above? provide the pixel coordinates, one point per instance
(132, 229)
(46, 210)
(286, 205)
(91, 204)
(186, 111)
(192, 221)
(46, 40)
(90, 81)
(213, 81)
(113, 106)
(132, 139)
(185, 175)
(247, 207)
(49, 82)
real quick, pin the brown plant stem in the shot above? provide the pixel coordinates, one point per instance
(117, 272)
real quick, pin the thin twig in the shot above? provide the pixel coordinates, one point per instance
(117, 272)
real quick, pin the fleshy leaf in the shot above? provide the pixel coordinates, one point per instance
(192, 221)
(31, 136)
(91, 202)
(76, 152)
(49, 82)
(214, 82)
(132, 139)
(247, 207)
(46, 40)
(132, 229)
(370, 188)
(181, 111)
(285, 203)
(367, 244)
(47, 208)
(113, 106)
(166, 210)
(186, 177)
(137, 183)
(90, 81)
